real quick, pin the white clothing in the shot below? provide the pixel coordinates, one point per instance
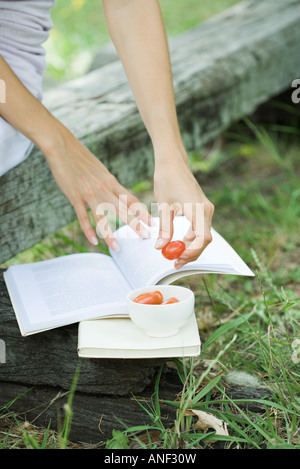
(24, 27)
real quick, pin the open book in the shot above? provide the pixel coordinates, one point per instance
(76, 287)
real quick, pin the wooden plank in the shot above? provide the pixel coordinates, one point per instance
(223, 69)
(94, 416)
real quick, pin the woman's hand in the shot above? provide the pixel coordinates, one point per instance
(138, 33)
(78, 173)
(86, 182)
(178, 193)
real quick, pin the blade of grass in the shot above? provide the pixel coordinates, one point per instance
(206, 390)
(229, 326)
(265, 140)
(64, 434)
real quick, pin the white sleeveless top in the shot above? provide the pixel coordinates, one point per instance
(24, 27)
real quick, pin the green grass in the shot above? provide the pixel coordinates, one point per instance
(79, 30)
(26, 436)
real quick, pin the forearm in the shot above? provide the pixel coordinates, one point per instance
(137, 30)
(27, 114)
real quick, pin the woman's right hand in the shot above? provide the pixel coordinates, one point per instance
(177, 192)
(87, 183)
(84, 180)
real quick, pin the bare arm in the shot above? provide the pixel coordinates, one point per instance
(137, 30)
(24, 112)
(80, 175)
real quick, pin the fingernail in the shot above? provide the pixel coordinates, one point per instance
(144, 232)
(159, 243)
(115, 246)
(94, 240)
(178, 264)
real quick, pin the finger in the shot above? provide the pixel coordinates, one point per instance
(166, 217)
(85, 223)
(194, 250)
(130, 218)
(200, 216)
(195, 213)
(103, 228)
(141, 212)
(104, 231)
(189, 236)
(139, 209)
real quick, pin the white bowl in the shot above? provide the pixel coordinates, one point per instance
(161, 320)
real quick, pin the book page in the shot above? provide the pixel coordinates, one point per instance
(143, 265)
(73, 286)
(137, 258)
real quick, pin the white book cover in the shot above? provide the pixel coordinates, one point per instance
(121, 338)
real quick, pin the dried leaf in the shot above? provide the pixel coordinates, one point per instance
(207, 421)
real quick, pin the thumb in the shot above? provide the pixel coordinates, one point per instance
(166, 217)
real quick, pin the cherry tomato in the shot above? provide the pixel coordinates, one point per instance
(151, 298)
(173, 250)
(170, 301)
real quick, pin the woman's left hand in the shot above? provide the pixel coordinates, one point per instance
(178, 193)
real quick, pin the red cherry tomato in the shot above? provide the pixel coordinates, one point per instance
(173, 250)
(150, 298)
(170, 301)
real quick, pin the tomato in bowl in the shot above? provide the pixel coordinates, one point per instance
(164, 319)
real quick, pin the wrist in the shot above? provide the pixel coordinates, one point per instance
(52, 138)
(169, 152)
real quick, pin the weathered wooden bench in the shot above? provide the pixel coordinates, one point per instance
(223, 70)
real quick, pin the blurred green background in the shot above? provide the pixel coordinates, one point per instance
(79, 30)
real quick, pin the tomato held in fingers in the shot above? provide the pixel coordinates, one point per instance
(173, 250)
(150, 298)
(170, 301)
